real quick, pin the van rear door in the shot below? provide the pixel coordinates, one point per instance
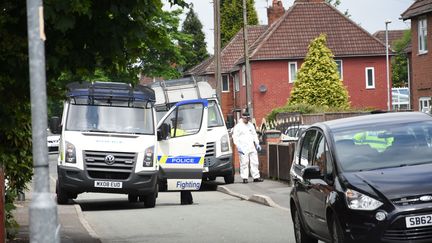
(181, 153)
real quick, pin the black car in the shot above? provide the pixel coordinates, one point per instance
(364, 179)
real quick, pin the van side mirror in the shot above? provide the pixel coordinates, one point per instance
(311, 172)
(54, 125)
(163, 131)
(230, 121)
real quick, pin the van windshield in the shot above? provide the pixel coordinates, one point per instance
(214, 115)
(113, 119)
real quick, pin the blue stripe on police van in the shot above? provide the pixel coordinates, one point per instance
(179, 160)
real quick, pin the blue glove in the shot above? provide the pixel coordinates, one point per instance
(258, 147)
(240, 151)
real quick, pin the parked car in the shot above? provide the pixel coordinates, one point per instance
(364, 179)
(53, 141)
(292, 133)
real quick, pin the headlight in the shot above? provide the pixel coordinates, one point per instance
(70, 153)
(224, 143)
(148, 157)
(358, 201)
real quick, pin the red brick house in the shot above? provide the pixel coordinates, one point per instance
(420, 14)
(278, 50)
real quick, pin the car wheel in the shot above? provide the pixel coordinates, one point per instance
(150, 199)
(300, 234)
(132, 198)
(337, 233)
(62, 195)
(229, 179)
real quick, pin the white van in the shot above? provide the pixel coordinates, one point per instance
(218, 159)
(110, 143)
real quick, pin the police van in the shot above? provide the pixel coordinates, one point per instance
(110, 143)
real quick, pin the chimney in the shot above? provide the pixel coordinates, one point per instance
(275, 11)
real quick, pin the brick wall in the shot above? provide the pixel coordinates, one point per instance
(421, 83)
(274, 75)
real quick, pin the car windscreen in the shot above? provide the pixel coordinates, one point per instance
(115, 119)
(384, 146)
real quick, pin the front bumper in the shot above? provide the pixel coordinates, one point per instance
(363, 227)
(77, 181)
(221, 166)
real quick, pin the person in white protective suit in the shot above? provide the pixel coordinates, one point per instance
(246, 140)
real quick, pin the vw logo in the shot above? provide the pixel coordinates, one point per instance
(109, 159)
(426, 198)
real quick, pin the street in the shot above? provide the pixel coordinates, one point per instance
(214, 217)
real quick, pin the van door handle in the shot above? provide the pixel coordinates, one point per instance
(198, 145)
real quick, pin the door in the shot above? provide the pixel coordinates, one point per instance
(181, 153)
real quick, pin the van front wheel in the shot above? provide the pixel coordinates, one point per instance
(150, 199)
(229, 179)
(62, 195)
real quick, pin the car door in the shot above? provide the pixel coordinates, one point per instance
(181, 153)
(303, 158)
(319, 189)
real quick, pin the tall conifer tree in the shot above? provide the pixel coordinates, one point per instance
(194, 49)
(232, 18)
(318, 80)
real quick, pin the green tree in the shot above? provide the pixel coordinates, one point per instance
(194, 49)
(122, 38)
(318, 81)
(232, 18)
(400, 61)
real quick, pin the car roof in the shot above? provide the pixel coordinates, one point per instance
(375, 119)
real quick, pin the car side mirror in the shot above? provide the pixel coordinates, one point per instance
(311, 172)
(54, 125)
(163, 131)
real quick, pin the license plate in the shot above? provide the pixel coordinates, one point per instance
(108, 184)
(418, 221)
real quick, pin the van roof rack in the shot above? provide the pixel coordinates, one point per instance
(177, 84)
(110, 91)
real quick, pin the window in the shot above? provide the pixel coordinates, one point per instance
(424, 104)
(422, 35)
(322, 156)
(244, 75)
(185, 120)
(225, 83)
(339, 68)
(292, 72)
(306, 149)
(236, 82)
(370, 78)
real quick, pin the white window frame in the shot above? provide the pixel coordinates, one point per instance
(422, 35)
(373, 78)
(228, 84)
(341, 68)
(290, 75)
(236, 82)
(244, 75)
(422, 101)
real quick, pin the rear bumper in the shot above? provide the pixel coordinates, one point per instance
(77, 181)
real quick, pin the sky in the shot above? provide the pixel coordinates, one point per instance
(369, 14)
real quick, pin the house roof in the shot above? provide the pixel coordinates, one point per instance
(419, 7)
(290, 36)
(393, 35)
(230, 53)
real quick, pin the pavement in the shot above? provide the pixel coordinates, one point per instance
(74, 227)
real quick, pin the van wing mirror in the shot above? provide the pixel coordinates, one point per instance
(311, 172)
(54, 125)
(163, 131)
